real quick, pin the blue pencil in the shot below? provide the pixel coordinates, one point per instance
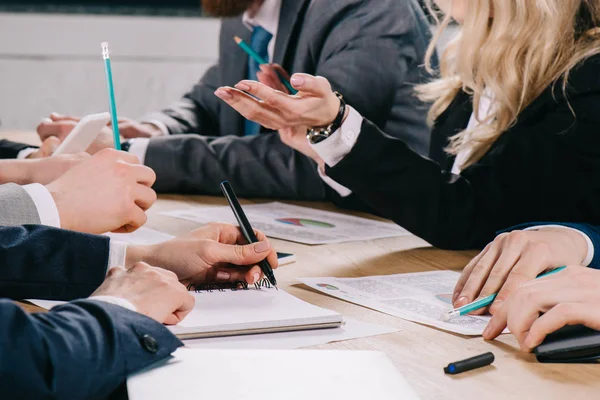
(484, 302)
(111, 96)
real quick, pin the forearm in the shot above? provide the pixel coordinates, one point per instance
(79, 350)
(258, 166)
(15, 171)
(46, 263)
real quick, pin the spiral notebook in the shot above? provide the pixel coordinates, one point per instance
(242, 310)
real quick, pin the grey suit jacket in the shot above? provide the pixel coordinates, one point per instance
(16, 207)
(371, 52)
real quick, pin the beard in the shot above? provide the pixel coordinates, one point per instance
(226, 8)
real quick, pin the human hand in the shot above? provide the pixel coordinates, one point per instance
(57, 125)
(515, 258)
(214, 253)
(269, 75)
(48, 147)
(315, 104)
(129, 128)
(155, 292)
(107, 192)
(47, 170)
(544, 305)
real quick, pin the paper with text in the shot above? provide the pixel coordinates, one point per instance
(297, 224)
(420, 297)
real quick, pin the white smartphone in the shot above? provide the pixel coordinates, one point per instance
(84, 133)
(285, 258)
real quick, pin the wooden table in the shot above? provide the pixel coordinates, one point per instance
(419, 352)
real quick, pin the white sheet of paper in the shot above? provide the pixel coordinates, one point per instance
(352, 329)
(297, 224)
(142, 236)
(420, 297)
(271, 375)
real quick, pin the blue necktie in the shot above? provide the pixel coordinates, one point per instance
(260, 43)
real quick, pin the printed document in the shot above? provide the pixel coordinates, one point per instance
(420, 297)
(297, 224)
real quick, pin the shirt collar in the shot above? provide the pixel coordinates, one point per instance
(267, 17)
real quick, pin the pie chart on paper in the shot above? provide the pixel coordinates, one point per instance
(306, 223)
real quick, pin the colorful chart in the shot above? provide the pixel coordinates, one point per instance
(305, 223)
(327, 286)
(446, 298)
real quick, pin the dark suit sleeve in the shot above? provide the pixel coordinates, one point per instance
(10, 149)
(47, 263)
(256, 166)
(197, 111)
(549, 173)
(80, 350)
(592, 231)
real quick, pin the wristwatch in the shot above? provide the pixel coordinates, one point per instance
(317, 135)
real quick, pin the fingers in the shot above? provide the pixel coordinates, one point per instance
(525, 270)
(272, 257)
(187, 305)
(281, 71)
(118, 155)
(316, 85)
(144, 197)
(559, 316)
(478, 276)
(144, 175)
(252, 108)
(464, 276)
(243, 274)
(268, 77)
(59, 117)
(137, 218)
(237, 254)
(59, 129)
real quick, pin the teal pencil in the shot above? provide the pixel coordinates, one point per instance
(111, 96)
(484, 302)
(261, 61)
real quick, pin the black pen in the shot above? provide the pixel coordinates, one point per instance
(246, 228)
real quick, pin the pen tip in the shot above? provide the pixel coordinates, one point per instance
(237, 39)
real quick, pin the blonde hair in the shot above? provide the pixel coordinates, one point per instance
(514, 50)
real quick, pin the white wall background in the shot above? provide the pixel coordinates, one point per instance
(54, 63)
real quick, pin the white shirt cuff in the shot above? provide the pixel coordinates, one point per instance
(160, 125)
(117, 254)
(116, 301)
(44, 203)
(138, 148)
(590, 246)
(23, 154)
(337, 146)
(342, 190)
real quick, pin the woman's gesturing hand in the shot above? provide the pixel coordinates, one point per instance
(315, 104)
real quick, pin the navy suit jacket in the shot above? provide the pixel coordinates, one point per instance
(10, 149)
(47, 263)
(81, 350)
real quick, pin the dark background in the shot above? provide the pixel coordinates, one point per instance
(183, 8)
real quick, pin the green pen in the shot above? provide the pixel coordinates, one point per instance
(262, 61)
(484, 302)
(111, 96)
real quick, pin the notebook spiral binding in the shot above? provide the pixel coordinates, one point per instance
(233, 286)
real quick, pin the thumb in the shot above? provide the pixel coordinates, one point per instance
(249, 254)
(279, 69)
(306, 83)
(49, 146)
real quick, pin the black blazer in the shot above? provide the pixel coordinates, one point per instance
(544, 168)
(81, 350)
(10, 149)
(47, 263)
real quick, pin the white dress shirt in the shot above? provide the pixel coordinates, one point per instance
(267, 17)
(337, 146)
